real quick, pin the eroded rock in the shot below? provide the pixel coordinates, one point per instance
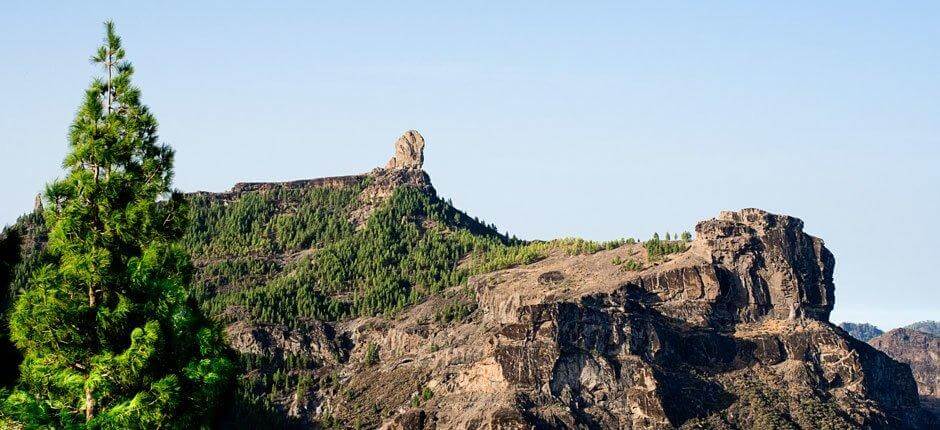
(409, 152)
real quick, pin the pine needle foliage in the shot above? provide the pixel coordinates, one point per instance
(109, 335)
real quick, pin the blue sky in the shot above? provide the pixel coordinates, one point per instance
(591, 119)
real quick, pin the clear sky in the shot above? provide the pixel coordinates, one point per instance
(599, 120)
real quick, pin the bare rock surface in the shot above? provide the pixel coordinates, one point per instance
(313, 339)
(409, 152)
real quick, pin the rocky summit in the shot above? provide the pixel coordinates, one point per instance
(409, 152)
(367, 301)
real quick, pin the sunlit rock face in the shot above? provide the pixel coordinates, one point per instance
(409, 152)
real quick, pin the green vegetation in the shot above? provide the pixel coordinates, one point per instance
(763, 405)
(372, 355)
(409, 248)
(455, 311)
(657, 249)
(630, 265)
(422, 397)
(109, 337)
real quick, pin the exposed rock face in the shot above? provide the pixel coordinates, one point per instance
(314, 342)
(409, 152)
(777, 270)
(918, 349)
(315, 339)
(732, 333)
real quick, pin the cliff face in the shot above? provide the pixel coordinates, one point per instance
(920, 350)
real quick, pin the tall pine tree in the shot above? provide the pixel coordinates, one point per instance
(110, 338)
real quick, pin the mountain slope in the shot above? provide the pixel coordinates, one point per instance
(929, 327)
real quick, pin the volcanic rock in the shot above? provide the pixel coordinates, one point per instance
(409, 152)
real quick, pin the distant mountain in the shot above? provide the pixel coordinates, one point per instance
(920, 350)
(861, 331)
(932, 327)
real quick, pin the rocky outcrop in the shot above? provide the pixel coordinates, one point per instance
(694, 341)
(333, 181)
(312, 339)
(409, 152)
(732, 333)
(776, 269)
(918, 349)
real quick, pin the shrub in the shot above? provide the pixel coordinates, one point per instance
(372, 355)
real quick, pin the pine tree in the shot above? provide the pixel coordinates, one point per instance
(109, 336)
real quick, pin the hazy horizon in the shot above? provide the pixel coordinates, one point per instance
(593, 120)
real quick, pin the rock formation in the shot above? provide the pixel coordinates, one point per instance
(921, 351)
(733, 333)
(409, 152)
